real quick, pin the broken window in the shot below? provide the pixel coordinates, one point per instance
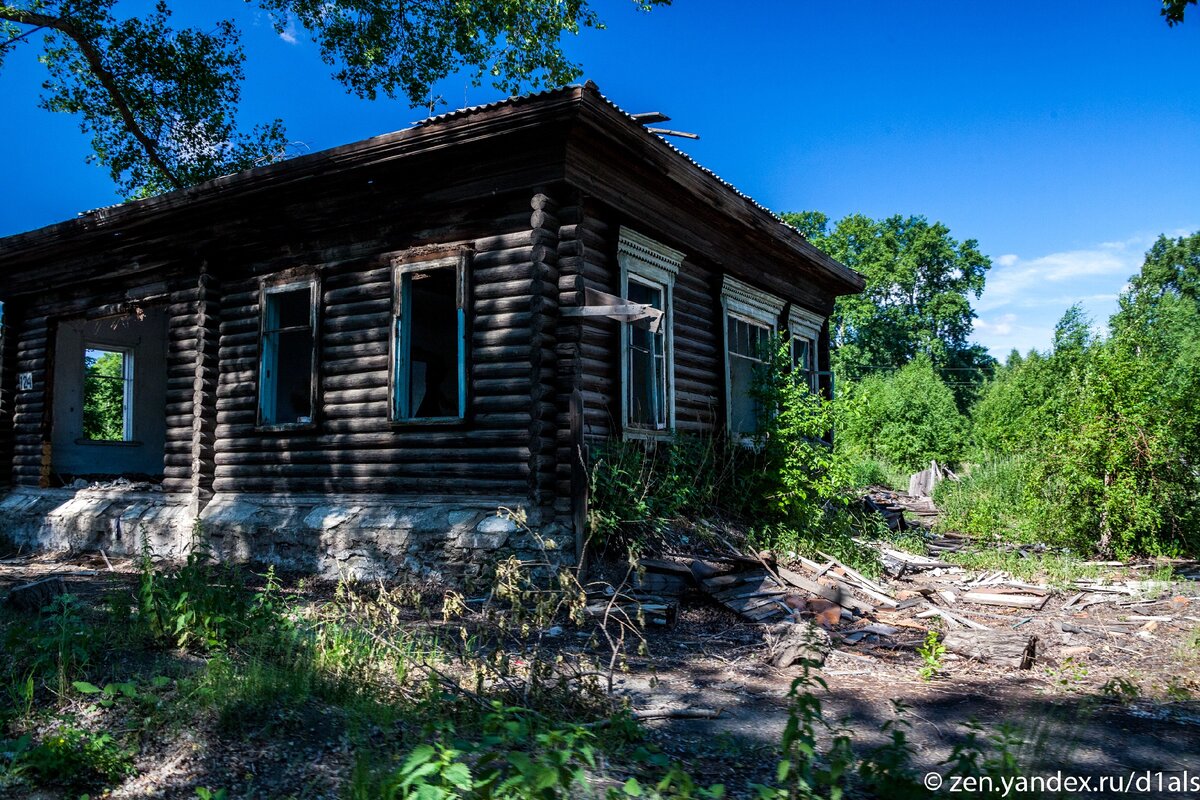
(804, 330)
(647, 367)
(648, 270)
(429, 353)
(748, 343)
(751, 321)
(107, 394)
(287, 371)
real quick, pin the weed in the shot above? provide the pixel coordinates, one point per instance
(1120, 690)
(932, 651)
(77, 760)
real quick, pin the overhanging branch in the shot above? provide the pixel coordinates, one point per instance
(96, 64)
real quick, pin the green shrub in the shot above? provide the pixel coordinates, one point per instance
(906, 418)
(77, 760)
(989, 500)
(203, 605)
(787, 482)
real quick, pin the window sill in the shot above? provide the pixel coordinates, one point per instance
(109, 442)
(648, 433)
(427, 422)
(288, 428)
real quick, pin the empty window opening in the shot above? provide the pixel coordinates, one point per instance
(108, 388)
(748, 345)
(287, 372)
(647, 362)
(429, 342)
(107, 394)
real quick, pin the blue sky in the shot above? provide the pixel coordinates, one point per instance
(1063, 137)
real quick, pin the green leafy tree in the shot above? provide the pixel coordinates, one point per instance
(1173, 10)
(906, 418)
(1107, 429)
(920, 281)
(104, 396)
(161, 103)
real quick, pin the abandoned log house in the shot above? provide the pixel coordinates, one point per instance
(347, 362)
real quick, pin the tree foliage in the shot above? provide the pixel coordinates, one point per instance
(161, 103)
(1173, 10)
(906, 418)
(104, 396)
(920, 281)
(1108, 427)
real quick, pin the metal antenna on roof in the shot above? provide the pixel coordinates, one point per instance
(648, 117)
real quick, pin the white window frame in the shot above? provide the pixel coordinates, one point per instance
(742, 301)
(399, 353)
(267, 389)
(651, 263)
(127, 380)
(805, 326)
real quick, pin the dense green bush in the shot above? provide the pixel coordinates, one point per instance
(906, 418)
(787, 485)
(1108, 428)
(989, 500)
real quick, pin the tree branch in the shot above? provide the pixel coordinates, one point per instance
(96, 64)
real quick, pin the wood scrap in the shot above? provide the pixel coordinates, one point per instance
(1005, 599)
(952, 618)
(1001, 647)
(789, 643)
(33, 597)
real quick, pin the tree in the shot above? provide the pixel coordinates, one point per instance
(161, 104)
(920, 281)
(1173, 10)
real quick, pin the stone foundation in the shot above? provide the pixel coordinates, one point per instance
(451, 539)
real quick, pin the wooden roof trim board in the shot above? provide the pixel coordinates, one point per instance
(428, 135)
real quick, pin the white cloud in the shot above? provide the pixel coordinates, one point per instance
(998, 326)
(288, 34)
(1025, 297)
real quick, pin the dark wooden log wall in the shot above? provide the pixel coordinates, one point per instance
(33, 326)
(588, 346)
(506, 444)
(30, 409)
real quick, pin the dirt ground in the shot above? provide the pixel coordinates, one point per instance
(712, 659)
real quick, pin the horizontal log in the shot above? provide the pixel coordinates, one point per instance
(373, 485)
(432, 457)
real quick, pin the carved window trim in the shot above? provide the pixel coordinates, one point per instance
(458, 258)
(644, 261)
(280, 283)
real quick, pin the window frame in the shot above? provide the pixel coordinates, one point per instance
(744, 302)
(805, 326)
(650, 263)
(459, 259)
(128, 377)
(280, 284)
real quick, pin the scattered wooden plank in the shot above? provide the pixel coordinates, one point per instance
(1001, 647)
(933, 611)
(1007, 600)
(835, 594)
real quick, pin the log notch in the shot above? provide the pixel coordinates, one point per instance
(31, 408)
(542, 375)
(8, 388)
(204, 390)
(183, 317)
